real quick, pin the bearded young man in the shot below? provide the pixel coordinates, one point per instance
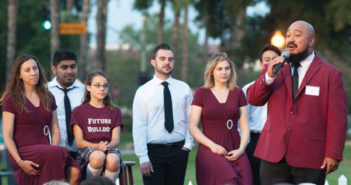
(161, 111)
(68, 93)
(304, 135)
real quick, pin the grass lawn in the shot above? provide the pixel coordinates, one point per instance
(190, 171)
(344, 168)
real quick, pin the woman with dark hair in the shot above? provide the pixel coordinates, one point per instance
(30, 128)
(96, 126)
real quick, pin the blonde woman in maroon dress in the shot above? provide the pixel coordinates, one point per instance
(30, 128)
(221, 157)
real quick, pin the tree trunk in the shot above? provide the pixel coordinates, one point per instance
(185, 46)
(69, 5)
(205, 49)
(55, 37)
(11, 35)
(238, 29)
(175, 33)
(83, 58)
(161, 22)
(100, 60)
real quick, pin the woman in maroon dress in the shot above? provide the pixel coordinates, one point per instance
(221, 157)
(30, 125)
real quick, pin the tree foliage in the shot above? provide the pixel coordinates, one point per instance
(127, 68)
(31, 38)
(3, 41)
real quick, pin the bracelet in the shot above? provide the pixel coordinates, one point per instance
(19, 161)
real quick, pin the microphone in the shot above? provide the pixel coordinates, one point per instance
(277, 67)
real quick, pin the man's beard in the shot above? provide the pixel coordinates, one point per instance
(295, 59)
(159, 70)
(64, 83)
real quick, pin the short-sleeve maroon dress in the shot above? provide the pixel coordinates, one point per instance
(32, 141)
(219, 123)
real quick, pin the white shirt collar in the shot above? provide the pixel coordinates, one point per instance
(159, 81)
(54, 83)
(307, 62)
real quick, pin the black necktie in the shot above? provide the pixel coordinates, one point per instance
(167, 99)
(68, 112)
(295, 80)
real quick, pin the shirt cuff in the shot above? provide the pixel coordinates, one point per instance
(144, 159)
(189, 145)
(268, 80)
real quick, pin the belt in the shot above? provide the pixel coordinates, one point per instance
(178, 144)
(255, 132)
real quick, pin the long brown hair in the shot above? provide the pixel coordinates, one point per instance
(15, 87)
(87, 97)
(211, 65)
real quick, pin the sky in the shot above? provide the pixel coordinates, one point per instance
(121, 13)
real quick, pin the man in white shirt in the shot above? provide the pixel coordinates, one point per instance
(64, 68)
(258, 114)
(161, 112)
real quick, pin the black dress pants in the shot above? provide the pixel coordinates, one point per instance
(283, 173)
(254, 161)
(169, 164)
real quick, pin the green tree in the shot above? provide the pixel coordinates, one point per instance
(143, 5)
(11, 38)
(3, 42)
(176, 6)
(31, 38)
(54, 32)
(123, 71)
(101, 18)
(225, 20)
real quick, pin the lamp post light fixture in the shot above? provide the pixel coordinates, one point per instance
(278, 40)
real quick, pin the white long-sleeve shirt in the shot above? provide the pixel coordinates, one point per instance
(257, 114)
(149, 117)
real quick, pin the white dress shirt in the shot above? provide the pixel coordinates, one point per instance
(257, 114)
(149, 117)
(305, 64)
(75, 96)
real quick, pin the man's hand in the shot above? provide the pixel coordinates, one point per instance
(186, 149)
(146, 169)
(276, 60)
(331, 165)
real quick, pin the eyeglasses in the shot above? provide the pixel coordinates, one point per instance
(98, 86)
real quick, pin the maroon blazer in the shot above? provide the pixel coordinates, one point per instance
(310, 127)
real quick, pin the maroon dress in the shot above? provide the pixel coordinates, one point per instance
(219, 123)
(33, 144)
